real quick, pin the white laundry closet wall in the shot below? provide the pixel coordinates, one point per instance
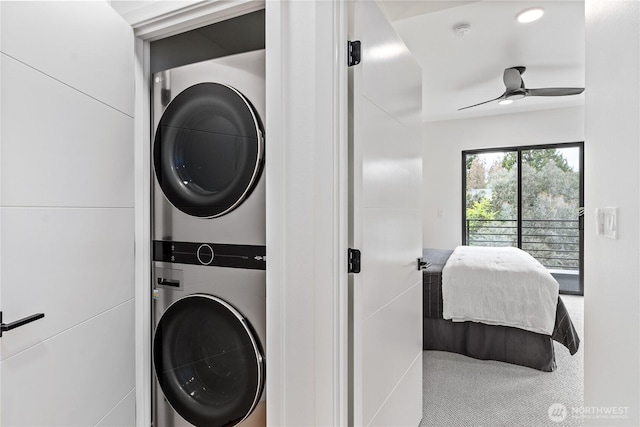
(67, 217)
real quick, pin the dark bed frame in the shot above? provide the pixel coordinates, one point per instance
(488, 342)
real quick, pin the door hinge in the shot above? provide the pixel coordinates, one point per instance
(353, 263)
(353, 52)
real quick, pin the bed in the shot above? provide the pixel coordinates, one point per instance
(488, 341)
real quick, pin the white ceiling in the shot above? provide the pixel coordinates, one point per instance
(462, 71)
(458, 72)
(137, 11)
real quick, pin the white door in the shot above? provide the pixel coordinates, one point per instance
(386, 225)
(66, 215)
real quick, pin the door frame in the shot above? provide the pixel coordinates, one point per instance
(306, 239)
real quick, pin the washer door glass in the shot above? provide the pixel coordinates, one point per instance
(207, 361)
(208, 150)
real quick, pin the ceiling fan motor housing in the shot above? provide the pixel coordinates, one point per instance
(515, 95)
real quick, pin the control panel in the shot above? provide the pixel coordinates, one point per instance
(211, 254)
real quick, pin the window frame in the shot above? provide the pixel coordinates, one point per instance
(518, 150)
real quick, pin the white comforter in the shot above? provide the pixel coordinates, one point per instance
(499, 286)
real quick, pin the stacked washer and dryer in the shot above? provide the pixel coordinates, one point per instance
(209, 240)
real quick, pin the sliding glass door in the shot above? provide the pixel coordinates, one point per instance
(531, 198)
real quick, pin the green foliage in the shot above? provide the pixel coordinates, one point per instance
(470, 159)
(537, 159)
(476, 174)
(550, 204)
(503, 183)
(550, 193)
(550, 188)
(481, 210)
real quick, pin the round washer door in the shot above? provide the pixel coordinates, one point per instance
(208, 150)
(208, 362)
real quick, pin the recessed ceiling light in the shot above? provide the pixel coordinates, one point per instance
(530, 15)
(505, 101)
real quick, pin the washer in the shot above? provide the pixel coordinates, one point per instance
(208, 353)
(209, 255)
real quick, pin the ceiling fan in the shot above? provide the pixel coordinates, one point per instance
(515, 88)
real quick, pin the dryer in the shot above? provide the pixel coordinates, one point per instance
(208, 232)
(208, 151)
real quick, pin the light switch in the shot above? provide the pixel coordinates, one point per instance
(607, 222)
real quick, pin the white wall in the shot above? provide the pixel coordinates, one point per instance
(612, 178)
(66, 208)
(444, 142)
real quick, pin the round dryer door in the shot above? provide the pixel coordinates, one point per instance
(208, 362)
(208, 150)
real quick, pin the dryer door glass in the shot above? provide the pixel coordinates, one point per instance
(208, 362)
(208, 150)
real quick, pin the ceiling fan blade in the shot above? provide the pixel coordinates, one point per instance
(513, 78)
(554, 91)
(485, 102)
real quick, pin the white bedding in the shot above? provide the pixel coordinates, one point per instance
(499, 286)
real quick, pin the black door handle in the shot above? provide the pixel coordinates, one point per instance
(422, 264)
(9, 326)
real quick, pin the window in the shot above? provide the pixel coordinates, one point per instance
(530, 198)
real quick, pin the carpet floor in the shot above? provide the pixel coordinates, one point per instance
(464, 392)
